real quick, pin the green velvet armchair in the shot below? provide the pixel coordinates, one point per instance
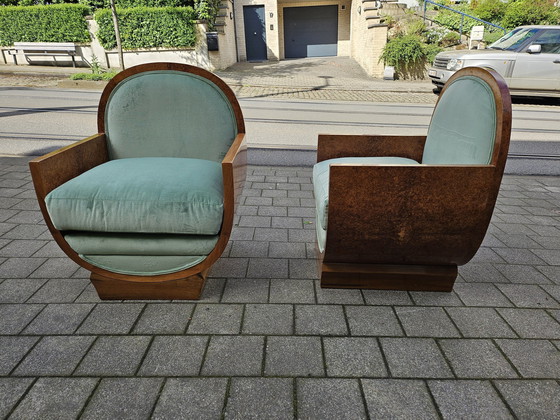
(402, 212)
(147, 204)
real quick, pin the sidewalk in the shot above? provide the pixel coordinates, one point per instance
(332, 78)
(265, 341)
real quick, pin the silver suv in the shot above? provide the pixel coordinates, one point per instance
(528, 58)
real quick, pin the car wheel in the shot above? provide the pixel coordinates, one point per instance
(437, 90)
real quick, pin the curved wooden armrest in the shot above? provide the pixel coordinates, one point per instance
(379, 212)
(234, 171)
(332, 146)
(55, 168)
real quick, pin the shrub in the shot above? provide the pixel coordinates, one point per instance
(452, 20)
(450, 39)
(408, 54)
(530, 12)
(148, 27)
(126, 4)
(56, 23)
(489, 10)
(93, 76)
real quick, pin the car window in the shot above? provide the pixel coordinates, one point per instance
(549, 41)
(513, 40)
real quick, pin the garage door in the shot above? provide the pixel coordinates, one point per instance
(310, 31)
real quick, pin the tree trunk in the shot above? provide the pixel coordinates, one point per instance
(117, 34)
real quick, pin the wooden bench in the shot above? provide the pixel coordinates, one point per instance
(53, 49)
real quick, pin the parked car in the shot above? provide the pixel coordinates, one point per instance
(528, 58)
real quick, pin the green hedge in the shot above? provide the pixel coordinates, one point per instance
(126, 4)
(56, 23)
(148, 27)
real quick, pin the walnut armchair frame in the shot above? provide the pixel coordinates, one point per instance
(408, 227)
(56, 168)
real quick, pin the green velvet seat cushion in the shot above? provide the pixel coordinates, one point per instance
(463, 126)
(321, 172)
(100, 243)
(169, 113)
(143, 265)
(142, 195)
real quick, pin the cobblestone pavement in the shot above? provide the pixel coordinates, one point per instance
(265, 341)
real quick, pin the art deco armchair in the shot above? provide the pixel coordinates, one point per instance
(147, 204)
(402, 212)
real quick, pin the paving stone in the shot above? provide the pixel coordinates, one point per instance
(242, 233)
(260, 398)
(123, 398)
(373, 321)
(335, 399)
(268, 319)
(11, 390)
(249, 249)
(88, 295)
(518, 256)
(486, 255)
(62, 318)
(320, 320)
(294, 356)
(299, 235)
(61, 398)
(468, 399)
(230, 267)
(292, 291)
(25, 231)
(387, 297)
(287, 223)
(267, 268)
(552, 290)
(174, 356)
(414, 358)
(532, 358)
(25, 216)
(353, 357)
(528, 296)
(481, 273)
(216, 319)
(426, 322)
(303, 269)
(21, 248)
(272, 211)
(531, 323)
(481, 294)
(524, 274)
(114, 356)
(531, 399)
(398, 399)
(164, 318)
(480, 323)
(59, 291)
(256, 221)
(550, 256)
(191, 398)
(337, 296)
(246, 291)
(274, 234)
(234, 356)
(436, 299)
(54, 356)
(287, 250)
(56, 268)
(13, 349)
(476, 359)
(18, 290)
(553, 273)
(213, 290)
(19, 267)
(111, 318)
(16, 317)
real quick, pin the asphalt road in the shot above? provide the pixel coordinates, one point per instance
(34, 121)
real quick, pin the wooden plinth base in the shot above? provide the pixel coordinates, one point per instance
(114, 289)
(388, 277)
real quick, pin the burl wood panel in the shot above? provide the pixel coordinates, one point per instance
(408, 227)
(53, 169)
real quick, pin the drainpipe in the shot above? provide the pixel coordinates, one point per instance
(235, 31)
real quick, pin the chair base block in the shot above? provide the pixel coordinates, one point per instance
(438, 278)
(189, 288)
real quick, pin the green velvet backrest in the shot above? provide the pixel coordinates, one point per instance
(167, 113)
(463, 126)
